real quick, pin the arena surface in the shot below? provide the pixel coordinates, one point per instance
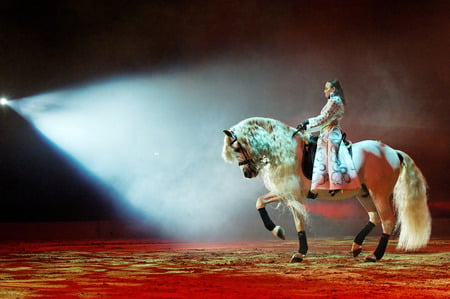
(253, 269)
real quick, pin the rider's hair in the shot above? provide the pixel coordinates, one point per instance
(338, 89)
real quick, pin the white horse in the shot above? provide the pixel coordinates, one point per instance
(390, 180)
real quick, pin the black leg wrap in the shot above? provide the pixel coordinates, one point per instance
(266, 219)
(303, 249)
(359, 239)
(381, 248)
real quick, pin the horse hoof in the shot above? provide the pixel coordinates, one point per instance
(356, 252)
(371, 258)
(278, 231)
(297, 258)
(356, 249)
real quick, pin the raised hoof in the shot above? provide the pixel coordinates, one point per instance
(371, 258)
(278, 231)
(297, 258)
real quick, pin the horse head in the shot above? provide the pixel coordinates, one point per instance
(257, 142)
(234, 150)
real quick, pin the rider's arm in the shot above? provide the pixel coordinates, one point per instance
(332, 110)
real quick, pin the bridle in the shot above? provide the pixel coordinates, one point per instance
(248, 159)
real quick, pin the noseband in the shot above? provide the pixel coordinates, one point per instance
(247, 160)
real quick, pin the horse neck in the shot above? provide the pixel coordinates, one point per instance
(287, 178)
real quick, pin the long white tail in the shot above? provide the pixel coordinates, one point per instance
(410, 200)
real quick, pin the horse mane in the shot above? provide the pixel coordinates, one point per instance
(270, 144)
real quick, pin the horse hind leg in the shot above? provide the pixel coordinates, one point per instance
(386, 214)
(359, 239)
(374, 219)
(380, 250)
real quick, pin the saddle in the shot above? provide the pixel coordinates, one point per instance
(309, 153)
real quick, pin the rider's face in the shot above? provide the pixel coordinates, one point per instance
(328, 90)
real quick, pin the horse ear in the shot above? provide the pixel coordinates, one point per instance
(228, 133)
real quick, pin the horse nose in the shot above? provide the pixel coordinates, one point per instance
(248, 173)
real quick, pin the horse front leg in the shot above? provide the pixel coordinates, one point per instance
(261, 203)
(299, 219)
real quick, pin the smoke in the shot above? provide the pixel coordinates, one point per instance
(156, 142)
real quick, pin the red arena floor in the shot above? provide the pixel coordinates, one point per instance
(253, 269)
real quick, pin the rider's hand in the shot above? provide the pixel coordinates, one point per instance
(303, 125)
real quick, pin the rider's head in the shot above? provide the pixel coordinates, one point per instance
(333, 86)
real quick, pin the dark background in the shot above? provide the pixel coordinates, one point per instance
(46, 45)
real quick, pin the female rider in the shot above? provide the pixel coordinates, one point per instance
(333, 167)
